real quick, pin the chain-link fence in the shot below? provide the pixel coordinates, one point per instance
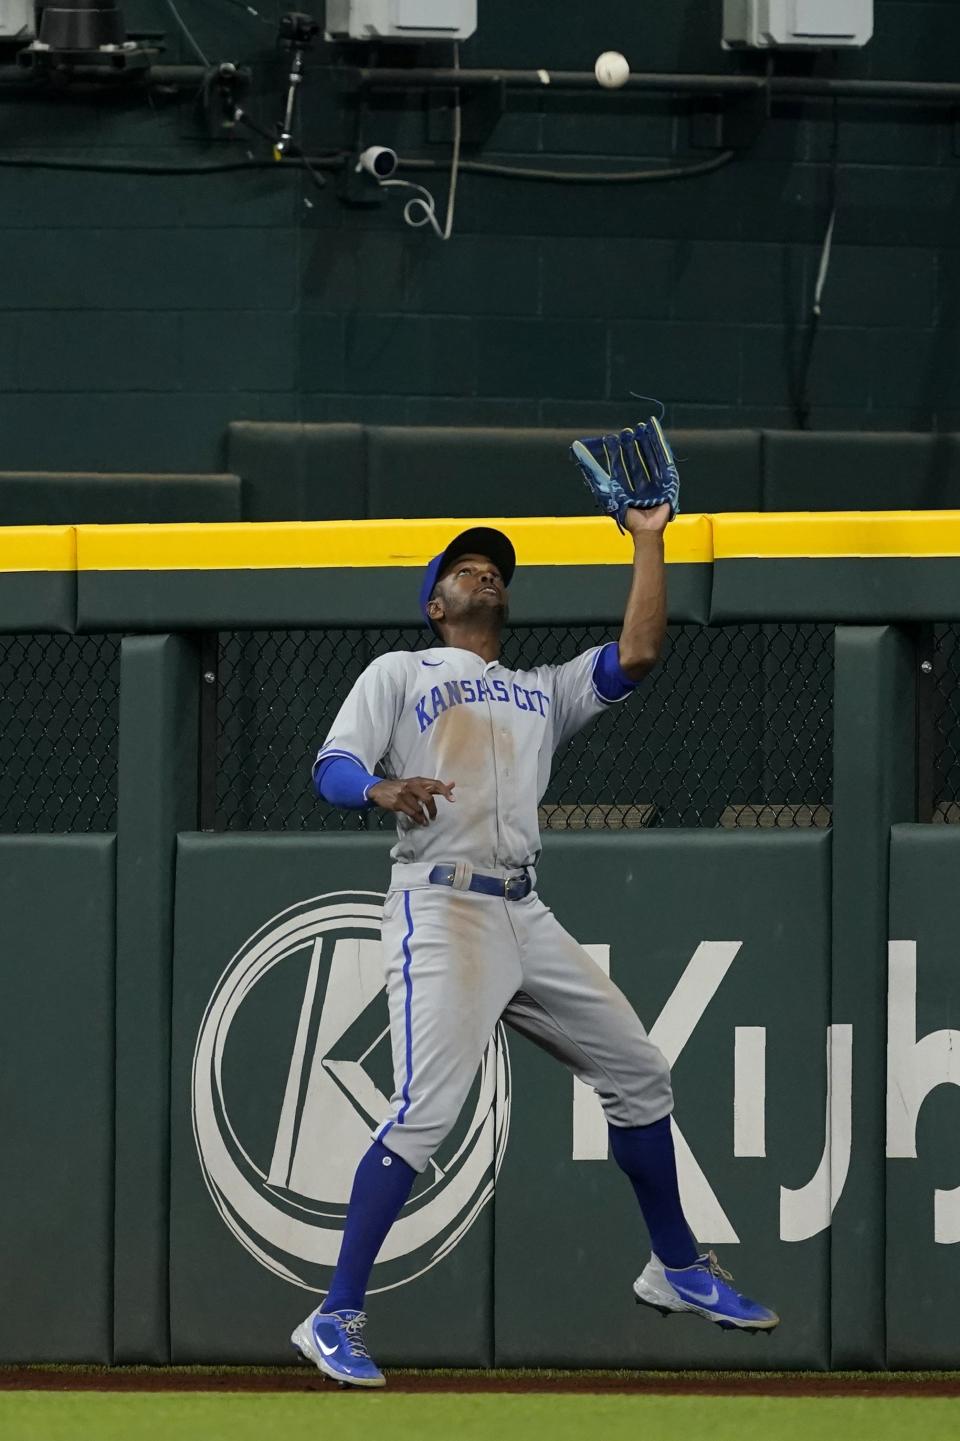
(59, 699)
(734, 728)
(946, 723)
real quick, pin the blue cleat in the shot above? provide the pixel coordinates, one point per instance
(702, 1289)
(333, 1341)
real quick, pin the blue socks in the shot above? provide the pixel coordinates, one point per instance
(645, 1154)
(381, 1186)
(384, 1181)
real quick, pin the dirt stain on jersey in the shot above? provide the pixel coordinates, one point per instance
(463, 756)
(462, 740)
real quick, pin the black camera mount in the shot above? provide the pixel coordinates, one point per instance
(297, 33)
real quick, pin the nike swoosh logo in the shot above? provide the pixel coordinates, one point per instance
(433, 662)
(697, 1299)
(327, 1350)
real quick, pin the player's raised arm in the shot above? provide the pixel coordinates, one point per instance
(633, 478)
(645, 617)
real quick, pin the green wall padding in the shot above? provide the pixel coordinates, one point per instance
(56, 1097)
(268, 1052)
(67, 498)
(922, 1215)
(300, 472)
(157, 795)
(570, 1227)
(832, 470)
(874, 787)
(231, 889)
(324, 472)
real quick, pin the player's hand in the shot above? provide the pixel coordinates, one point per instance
(657, 519)
(414, 797)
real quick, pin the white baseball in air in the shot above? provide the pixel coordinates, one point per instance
(612, 69)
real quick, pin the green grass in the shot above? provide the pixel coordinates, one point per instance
(91, 1416)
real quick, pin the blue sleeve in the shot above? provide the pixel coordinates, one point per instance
(343, 783)
(610, 681)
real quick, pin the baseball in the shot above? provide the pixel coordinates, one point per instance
(612, 69)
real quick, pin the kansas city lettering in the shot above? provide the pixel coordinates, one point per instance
(473, 692)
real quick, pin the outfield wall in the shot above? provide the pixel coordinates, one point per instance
(192, 1022)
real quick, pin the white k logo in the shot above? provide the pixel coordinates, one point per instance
(333, 1098)
(671, 1031)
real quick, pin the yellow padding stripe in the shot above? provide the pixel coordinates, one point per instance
(590, 540)
(836, 534)
(38, 547)
(337, 544)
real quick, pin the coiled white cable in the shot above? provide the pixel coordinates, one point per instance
(421, 209)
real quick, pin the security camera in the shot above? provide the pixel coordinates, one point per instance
(379, 161)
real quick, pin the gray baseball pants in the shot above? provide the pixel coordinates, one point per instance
(457, 963)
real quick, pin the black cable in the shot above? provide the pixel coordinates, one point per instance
(292, 149)
(582, 177)
(338, 160)
(310, 168)
(121, 167)
(802, 403)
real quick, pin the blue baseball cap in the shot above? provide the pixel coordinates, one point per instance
(479, 540)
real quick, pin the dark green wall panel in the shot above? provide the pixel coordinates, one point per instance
(56, 1097)
(848, 589)
(922, 1216)
(76, 499)
(374, 595)
(860, 472)
(473, 472)
(719, 470)
(317, 472)
(231, 889)
(173, 431)
(157, 795)
(570, 1228)
(543, 595)
(874, 788)
(860, 589)
(38, 600)
(558, 1223)
(300, 472)
(223, 599)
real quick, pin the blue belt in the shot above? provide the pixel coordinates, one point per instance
(513, 888)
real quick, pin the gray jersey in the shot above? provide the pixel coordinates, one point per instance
(448, 715)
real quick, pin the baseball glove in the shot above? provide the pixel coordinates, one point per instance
(634, 468)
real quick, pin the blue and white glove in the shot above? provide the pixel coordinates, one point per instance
(634, 468)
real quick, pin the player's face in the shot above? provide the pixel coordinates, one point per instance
(470, 588)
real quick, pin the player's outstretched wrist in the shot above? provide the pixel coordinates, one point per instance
(647, 522)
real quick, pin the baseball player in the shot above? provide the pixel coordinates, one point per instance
(466, 748)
